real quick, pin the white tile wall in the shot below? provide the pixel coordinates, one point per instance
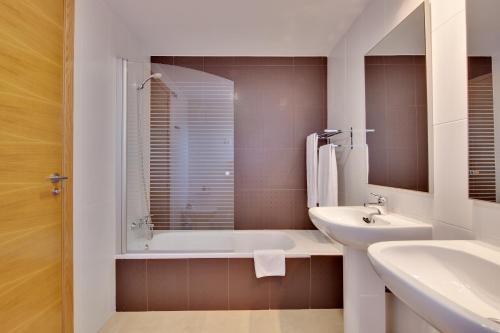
(401, 319)
(448, 208)
(451, 202)
(373, 24)
(443, 10)
(486, 217)
(449, 73)
(442, 230)
(371, 33)
(99, 39)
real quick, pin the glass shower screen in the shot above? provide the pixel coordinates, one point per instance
(178, 148)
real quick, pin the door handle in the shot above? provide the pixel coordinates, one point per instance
(56, 178)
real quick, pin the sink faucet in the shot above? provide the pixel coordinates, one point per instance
(379, 205)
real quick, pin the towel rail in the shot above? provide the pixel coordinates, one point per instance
(329, 133)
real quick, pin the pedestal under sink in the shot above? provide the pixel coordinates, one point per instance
(364, 291)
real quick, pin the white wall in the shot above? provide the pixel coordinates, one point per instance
(452, 214)
(448, 208)
(99, 39)
(346, 104)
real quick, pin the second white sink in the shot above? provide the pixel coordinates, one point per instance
(346, 225)
(454, 285)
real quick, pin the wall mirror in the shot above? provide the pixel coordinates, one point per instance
(397, 106)
(483, 45)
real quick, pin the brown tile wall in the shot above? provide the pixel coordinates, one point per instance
(280, 100)
(159, 177)
(396, 107)
(226, 284)
(478, 66)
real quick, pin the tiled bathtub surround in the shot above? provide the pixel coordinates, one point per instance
(226, 284)
(278, 102)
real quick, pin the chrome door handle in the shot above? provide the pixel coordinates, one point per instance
(56, 178)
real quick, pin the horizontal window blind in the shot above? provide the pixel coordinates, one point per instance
(192, 152)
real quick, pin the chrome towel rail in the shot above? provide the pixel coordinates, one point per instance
(329, 133)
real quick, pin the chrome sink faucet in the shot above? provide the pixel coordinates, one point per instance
(379, 205)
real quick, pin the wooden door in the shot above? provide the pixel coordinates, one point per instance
(35, 106)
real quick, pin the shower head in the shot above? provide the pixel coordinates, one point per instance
(156, 76)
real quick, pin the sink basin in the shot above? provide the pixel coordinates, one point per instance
(346, 225)
(454, 285)
(363, 289)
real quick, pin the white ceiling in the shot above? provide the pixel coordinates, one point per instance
(239, 27)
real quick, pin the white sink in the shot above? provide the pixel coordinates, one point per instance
(346, 225)
(454, 285)
(364, 291)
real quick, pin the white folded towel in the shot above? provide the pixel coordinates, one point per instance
(269, 263)
(312, 169)
(327, 176)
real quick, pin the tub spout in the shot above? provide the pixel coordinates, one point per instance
(149, 227)
(145, 222)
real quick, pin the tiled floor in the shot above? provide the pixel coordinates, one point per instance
(262, 321)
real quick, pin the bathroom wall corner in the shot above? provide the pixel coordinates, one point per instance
(100, 37)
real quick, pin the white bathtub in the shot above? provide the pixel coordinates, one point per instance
(230, 244)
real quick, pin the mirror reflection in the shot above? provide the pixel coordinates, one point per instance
(396, 107)
(483, 44)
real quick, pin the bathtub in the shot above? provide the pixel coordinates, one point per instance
(214, 270)
(231, 244)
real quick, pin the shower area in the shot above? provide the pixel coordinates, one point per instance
(183, 246)
(177, 154)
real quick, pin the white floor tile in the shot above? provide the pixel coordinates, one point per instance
(272, 321)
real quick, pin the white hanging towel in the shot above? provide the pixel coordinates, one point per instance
(327, 176)
(269, 262)
(312, 169)
(367, 156)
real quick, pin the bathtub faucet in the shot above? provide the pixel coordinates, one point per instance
(144, 222)
(148, 223)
